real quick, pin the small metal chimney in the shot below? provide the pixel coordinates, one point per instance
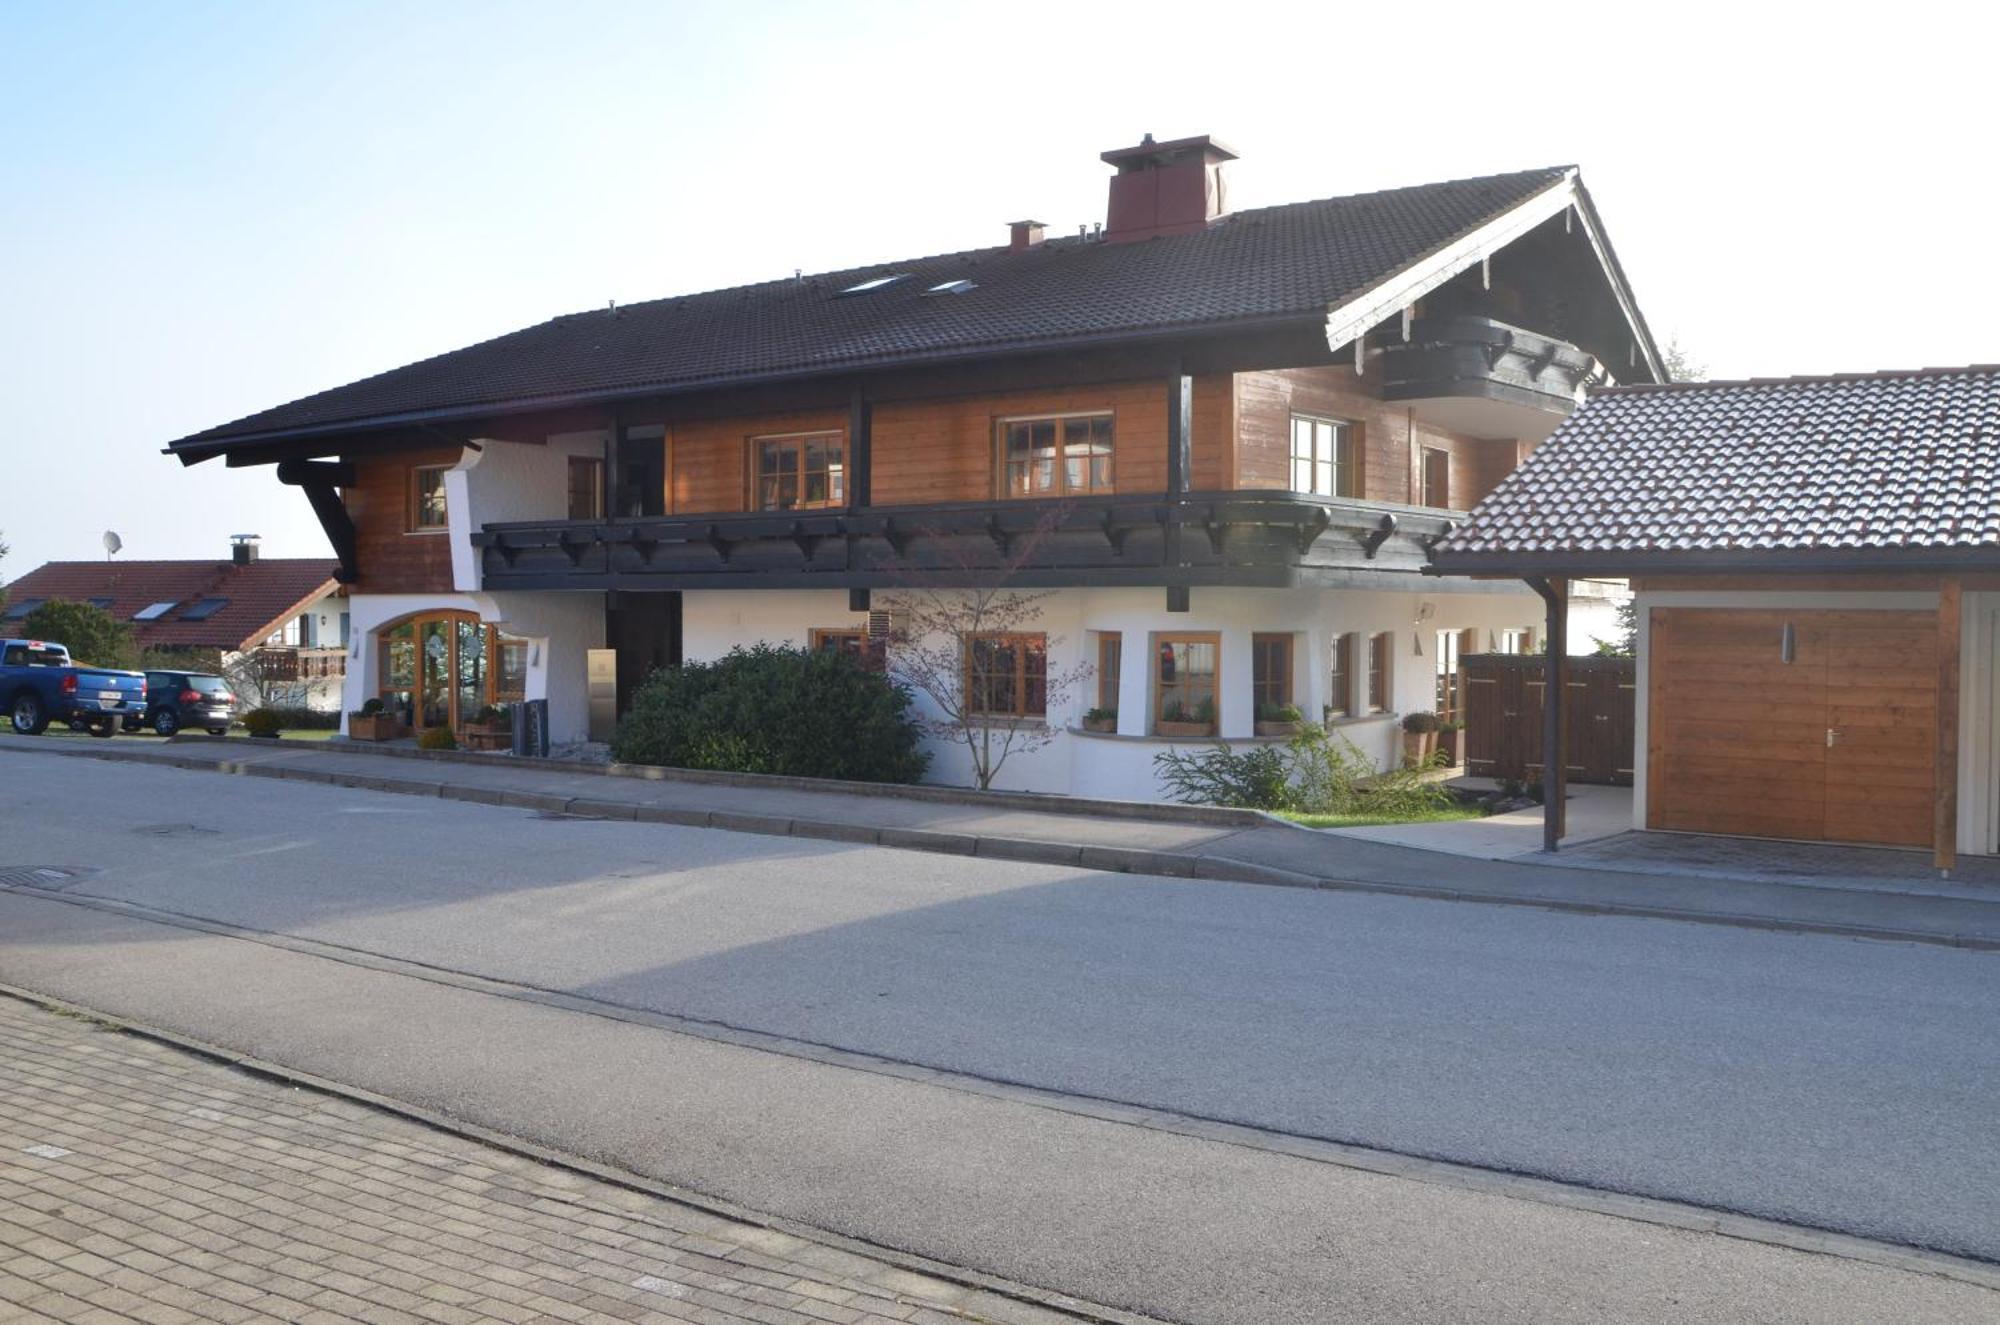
(243, 548)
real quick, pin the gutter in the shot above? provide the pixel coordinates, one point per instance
(1794, 561)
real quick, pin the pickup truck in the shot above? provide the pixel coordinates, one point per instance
(39, 684)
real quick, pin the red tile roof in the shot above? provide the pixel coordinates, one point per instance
(261, 596)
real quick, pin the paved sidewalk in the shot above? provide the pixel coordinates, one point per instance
(139, 1182)
(1185, 842)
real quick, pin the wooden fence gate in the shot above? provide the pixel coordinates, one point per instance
(1503, 717)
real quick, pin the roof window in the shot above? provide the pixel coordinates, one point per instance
(204, 609)
(870, 286)
(952, 287)
(154, 611)
(101, 604)
(15, 611)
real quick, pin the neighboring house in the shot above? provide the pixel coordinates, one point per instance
(1251, 427)
(278, 626)
(1817, 567)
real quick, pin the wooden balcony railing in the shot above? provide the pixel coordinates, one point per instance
(1268, 539)
(293, 663)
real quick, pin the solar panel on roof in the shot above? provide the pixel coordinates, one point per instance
(204, 609)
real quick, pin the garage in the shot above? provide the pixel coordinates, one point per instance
(1814, 725)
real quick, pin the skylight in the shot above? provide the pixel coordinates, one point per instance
(18, 610)
(154, 611)
(101, 604)
(204, 609)
(952, 287)
(877, 283)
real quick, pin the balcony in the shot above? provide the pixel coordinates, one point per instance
(1212, 538)
(291, 663)
(1483, 378)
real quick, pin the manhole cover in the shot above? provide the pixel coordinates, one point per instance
(54, 878)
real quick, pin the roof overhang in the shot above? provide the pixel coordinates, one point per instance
(1747, 561)
(1388, 297)
(195, 449)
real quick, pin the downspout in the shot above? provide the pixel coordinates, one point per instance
(1555, 689)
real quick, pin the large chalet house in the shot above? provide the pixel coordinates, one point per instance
(1224, 442)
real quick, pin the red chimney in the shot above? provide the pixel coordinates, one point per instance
(1165, 188)
(1024, 234)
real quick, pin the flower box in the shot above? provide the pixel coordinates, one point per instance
(373, 727)
(1184, 730)
(487, 736)
(1283, 729)
(1108, 726)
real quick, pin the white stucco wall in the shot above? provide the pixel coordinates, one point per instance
(1122, 765)
(495, 481)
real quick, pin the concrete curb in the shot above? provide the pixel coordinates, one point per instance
(1147, 811)
(1103, 859)
(1058, 1304)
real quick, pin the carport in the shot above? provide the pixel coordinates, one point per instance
(1816, 567)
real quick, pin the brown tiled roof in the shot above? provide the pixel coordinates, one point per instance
(1886, 468)
(261, 596)
(1265, 264)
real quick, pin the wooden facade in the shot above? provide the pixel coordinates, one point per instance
(945, 450)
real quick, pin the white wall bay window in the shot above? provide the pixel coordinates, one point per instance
(1057, 456)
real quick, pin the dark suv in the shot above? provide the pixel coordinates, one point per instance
(188, 699)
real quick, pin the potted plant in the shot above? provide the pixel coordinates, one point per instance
(1279, 720)
(491, 729)
(1451, 740)
(371, 722)
(1100, 720)
(1187, 720)
(263, 722)
(1419, 738)
(437, 738)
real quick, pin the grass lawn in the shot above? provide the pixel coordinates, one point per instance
(1450, 814)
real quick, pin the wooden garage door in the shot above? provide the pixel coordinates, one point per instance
(1836, 745)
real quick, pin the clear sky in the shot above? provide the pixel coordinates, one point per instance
(207, 209)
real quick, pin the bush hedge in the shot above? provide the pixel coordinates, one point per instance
(803, 713)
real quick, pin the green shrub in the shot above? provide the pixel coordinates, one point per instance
(803, 713)
(263, 722)
(1279, 713)
(1313, 773)
(437, 738)
(1419, 723)
(1100, 715)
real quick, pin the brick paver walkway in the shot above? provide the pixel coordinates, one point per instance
(139, 1182)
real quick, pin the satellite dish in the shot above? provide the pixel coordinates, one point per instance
(112, 543)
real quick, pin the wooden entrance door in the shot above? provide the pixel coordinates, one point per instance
(1835, 744)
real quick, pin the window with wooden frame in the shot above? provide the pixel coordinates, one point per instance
(1340, 673)
(1517, 641)
(1437, 477)
(427, 512)
(798, 472)
(586, 488)
(1380, 660)
(1451, 645)
(1007, 675)
(1323, 457)
(1110, 662)
(1059, 455)
(860, 643)
(1270, 674)
(1186, 676)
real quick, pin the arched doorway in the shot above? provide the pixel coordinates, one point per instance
(442, 669)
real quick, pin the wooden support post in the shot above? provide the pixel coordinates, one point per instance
(1944, 842)
(860, 451)
(1180, 465)
(613, 479)
(1555, 690)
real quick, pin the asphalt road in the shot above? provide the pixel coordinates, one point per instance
(1840, 1084)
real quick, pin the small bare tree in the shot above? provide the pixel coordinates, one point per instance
(947, 623)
